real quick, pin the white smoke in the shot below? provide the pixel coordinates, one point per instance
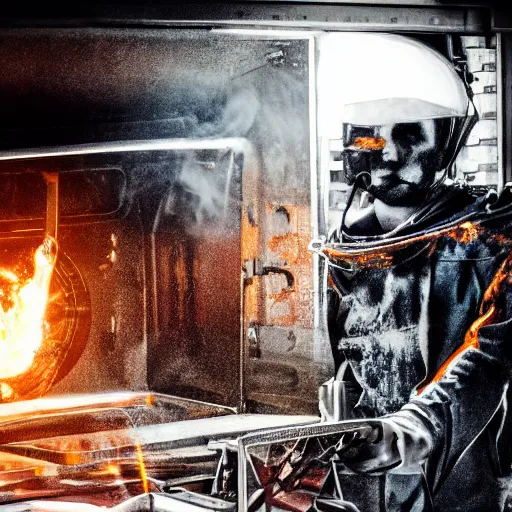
(208, 187)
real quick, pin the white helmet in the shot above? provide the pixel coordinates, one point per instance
(397, 80)
(376, 79)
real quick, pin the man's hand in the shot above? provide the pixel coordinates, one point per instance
(369, 451)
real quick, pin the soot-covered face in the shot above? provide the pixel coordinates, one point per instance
(402, 159)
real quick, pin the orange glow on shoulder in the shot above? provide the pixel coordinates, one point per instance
(488, 312)
(465, 233)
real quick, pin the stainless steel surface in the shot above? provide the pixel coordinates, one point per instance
(428, 16)
(187, 437)
(242, 401)
(241, 145)
(327, 17)
(34, 409)
(415, 3)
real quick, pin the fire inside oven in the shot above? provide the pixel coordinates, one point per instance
(152, 237)
(135, 241)
(45, 317)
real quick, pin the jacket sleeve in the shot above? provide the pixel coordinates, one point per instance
(441, 422)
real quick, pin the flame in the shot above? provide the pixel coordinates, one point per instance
(22, 324)
(112, 469)
(369, 143)
(488, 312)
(142, 468)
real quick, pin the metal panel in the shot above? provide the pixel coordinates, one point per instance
(422, 16)
(501, 19)
(500, 111)
(505, 83)
(410, 3)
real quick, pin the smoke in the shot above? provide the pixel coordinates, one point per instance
(282, 130)
(266, 103)
(269, 106)
(196, 187)
(238, 116)
(207, 189)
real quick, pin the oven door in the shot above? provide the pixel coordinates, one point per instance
(141, 269)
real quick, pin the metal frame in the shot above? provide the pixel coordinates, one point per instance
(394, 15)
(500, 114)
(129, 146)
(504, 70)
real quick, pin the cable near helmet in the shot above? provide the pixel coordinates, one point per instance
(405, 114)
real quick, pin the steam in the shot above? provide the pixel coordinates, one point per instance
(208, 189)
(269, 107)
(238, 115)
(282, 130)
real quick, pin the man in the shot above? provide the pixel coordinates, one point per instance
(420, 298)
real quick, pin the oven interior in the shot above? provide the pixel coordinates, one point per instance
(182, 271)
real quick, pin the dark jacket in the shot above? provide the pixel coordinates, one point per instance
(403, 326)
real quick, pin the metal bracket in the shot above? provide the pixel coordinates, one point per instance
(256, 267)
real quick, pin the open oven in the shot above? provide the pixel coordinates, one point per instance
(162, 173)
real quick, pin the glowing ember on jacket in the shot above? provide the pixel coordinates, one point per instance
(466, 232)
(374, 259)
(23, 310)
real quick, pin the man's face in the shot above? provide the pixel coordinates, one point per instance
(403, 166)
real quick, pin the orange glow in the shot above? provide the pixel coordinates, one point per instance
(8, 275)
(466, 232)
(112, 469)
(493, 289)
(382, 257)
(142, 468)
(369, 143)
(281, 296)
(487, 312)
(22, 328)
(367, 259)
